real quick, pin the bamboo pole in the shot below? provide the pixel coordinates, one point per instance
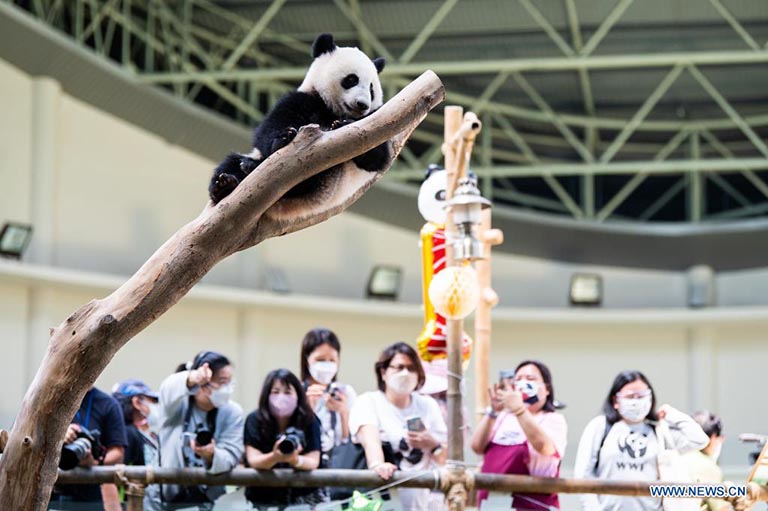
(488, 299)
(453, 115)
(286, 478)
(459, 135)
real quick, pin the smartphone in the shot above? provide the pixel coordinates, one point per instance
(415, 424)
(334, 389)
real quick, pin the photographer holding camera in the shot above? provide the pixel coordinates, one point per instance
(96, 436)
(200, 428)
(282, 433)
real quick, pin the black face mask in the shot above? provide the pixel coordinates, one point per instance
(532, 399)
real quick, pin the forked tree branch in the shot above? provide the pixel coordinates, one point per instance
(82, 346)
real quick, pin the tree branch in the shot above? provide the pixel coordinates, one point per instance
(84, 343)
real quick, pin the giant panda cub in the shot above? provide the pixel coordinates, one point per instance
(341, 85)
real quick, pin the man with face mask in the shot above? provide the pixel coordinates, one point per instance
(200, 427)
(141, 416)
(702, 465)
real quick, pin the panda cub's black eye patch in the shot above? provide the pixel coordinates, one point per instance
(350, 81)
(371, 87)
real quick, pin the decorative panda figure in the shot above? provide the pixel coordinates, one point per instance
(341, 86)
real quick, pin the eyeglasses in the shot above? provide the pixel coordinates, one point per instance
(635, 395)
(400, 367)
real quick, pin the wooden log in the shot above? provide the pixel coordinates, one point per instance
(86, 341)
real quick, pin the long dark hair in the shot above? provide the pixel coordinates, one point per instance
(386, 357)
(313, 340)
(214, 359)
(302, 418)
(546, 375)
(612, 415)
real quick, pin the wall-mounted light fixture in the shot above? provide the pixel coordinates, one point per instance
(14, 239)
(384, 282)
(586, 289)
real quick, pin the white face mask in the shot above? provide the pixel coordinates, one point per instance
(323, 372)
(220, 397)
(153, 418)
(403, 382)
(634, 410)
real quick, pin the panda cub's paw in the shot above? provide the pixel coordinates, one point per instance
(340, 123)
(222, 186)
(374, 160)
(284, 138)
(248, 164)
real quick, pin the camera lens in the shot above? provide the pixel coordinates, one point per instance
(72, 453)
(288, 445)
(203, 437)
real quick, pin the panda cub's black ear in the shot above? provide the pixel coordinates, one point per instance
(323, 44)
(379, 63)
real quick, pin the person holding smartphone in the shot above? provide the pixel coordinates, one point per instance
(409, 423)
(330, 400)
(521, 432)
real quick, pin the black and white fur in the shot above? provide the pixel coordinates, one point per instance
(341, 85)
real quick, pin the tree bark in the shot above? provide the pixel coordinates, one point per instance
(82, 346)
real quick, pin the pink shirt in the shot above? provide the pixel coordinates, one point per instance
(507, 431)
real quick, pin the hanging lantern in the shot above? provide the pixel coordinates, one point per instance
(455, 292)
(466, 209)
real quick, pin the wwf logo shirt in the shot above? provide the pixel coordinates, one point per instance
(629, 453)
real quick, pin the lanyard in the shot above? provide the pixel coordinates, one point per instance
(87, 412)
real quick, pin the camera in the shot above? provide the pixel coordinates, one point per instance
(759, 440)
(291, 440)
(203, 436)
(72, 454)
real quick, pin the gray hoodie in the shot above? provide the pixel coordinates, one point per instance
(174, 400)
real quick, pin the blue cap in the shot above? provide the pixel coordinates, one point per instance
(130, 388)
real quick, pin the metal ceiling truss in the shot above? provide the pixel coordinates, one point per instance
(242, 67)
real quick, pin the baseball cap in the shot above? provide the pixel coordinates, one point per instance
(130, 388)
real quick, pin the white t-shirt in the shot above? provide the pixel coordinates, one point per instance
(331, 434)
(374, 409)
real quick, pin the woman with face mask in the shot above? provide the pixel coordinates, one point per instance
(330, 400)
(200, 427)
(140, 412)
(282, 433)
(621, 444)
(521, 432)
(411, 424)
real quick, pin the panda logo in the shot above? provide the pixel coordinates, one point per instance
(635, 444)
